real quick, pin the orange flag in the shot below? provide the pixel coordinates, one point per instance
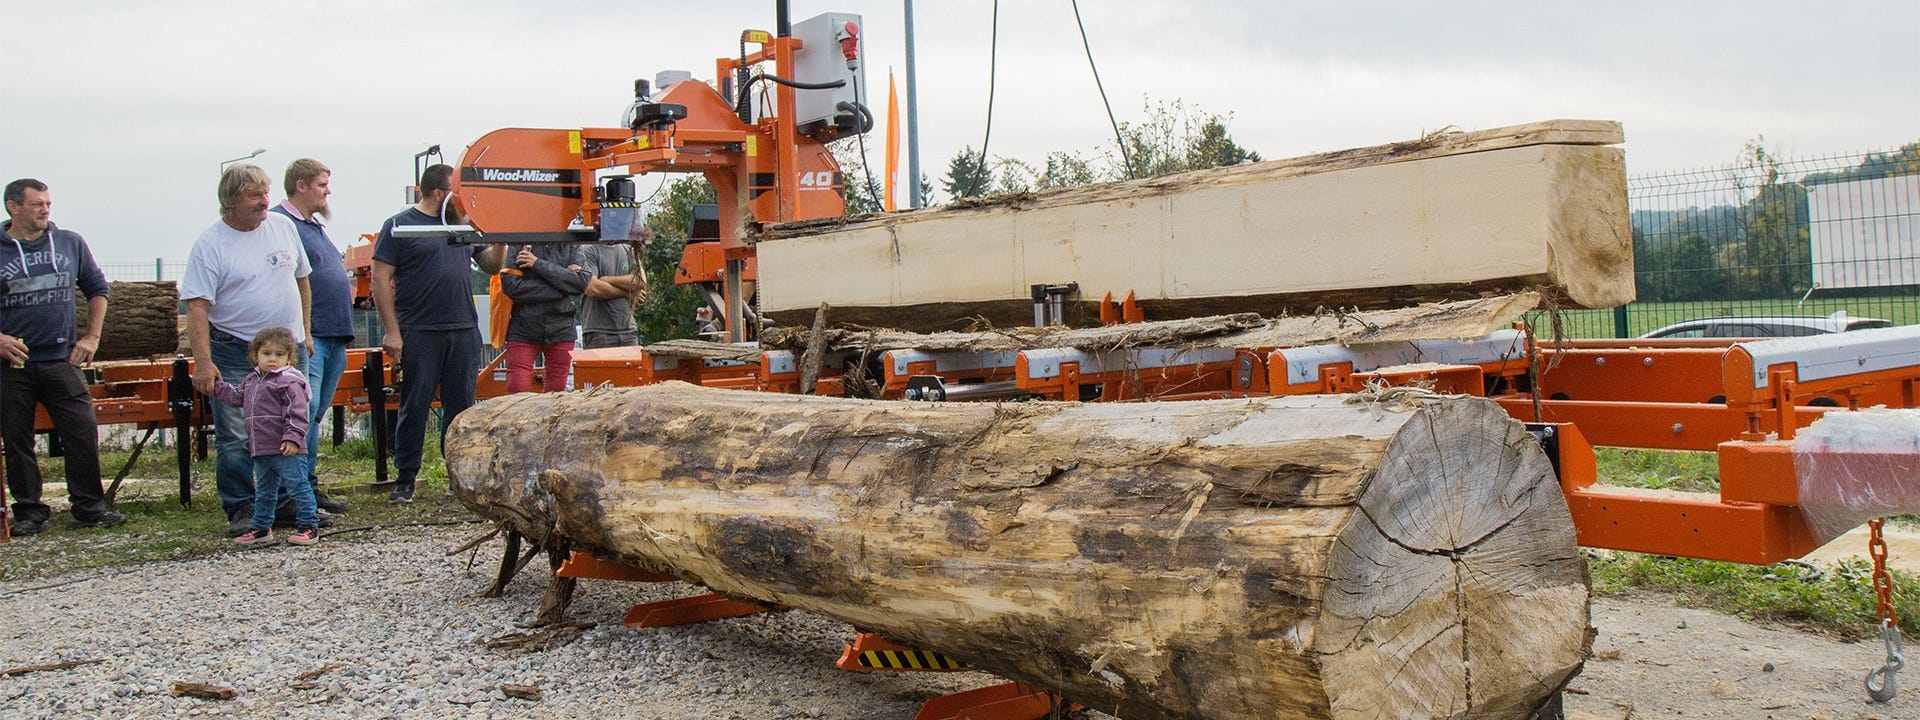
(893, 141)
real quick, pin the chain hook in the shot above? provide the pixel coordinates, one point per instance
(1886, 675)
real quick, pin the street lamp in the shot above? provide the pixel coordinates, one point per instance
(249, 156)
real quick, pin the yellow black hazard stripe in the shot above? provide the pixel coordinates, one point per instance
(908, 660)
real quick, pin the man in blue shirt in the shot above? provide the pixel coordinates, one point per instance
(423, 287)
(308, 184)
(40, 265)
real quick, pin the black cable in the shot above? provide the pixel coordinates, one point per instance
(1117, 139)
(866, 168)
(993, 57)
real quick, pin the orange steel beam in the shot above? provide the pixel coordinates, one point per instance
(1665, 426)
(1697, 525)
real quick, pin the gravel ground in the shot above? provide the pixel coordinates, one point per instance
(402, 620)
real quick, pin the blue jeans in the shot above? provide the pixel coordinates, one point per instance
(276, 474)
(323, 378)
(233, 461)
(432, 361)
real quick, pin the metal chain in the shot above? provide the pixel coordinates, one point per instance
(1882, 683)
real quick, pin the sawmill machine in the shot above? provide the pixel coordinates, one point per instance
(759, 138)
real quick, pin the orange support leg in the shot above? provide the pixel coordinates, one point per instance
(870, 651)
(1007, 701)
(690, 610)
(582, 565)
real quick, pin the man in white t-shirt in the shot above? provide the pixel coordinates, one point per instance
(245, 274)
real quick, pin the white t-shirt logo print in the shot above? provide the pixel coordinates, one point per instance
(279, 259)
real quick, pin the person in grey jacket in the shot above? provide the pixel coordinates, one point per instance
(40, 265)
(545, 286)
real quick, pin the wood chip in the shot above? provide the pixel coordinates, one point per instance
(182, 688)
(315, 672)
(524, 692)
(527, 642)
(24, 669)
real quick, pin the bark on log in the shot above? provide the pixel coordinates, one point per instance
(1444, 218)
(1289, 557)
(143, 320)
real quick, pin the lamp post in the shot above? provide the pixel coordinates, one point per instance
(249, 156)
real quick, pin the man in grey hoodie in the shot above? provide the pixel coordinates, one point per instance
(40, 266)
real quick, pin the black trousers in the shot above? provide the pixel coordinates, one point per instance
(59, 387)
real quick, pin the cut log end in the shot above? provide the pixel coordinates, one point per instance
(1460, 597)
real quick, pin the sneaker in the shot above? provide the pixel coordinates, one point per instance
(23, 528)
(329, 504)
(254, 535)
(304, 536)
(401, 495)
(104, 519)
(240, 521)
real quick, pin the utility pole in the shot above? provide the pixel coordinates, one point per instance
(914, 191)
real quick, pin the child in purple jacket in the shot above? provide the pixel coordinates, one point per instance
(274, 397)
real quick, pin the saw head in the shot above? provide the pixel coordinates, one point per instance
(521, 180)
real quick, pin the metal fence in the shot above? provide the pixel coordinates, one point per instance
(142, 270)
(1766, 236)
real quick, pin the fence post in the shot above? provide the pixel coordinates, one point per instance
(1620, 321)
(158, 269)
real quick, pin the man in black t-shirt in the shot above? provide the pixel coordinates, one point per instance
(423, 287)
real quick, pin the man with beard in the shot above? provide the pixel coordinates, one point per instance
(307, 182)
(246, 273)
(423, 287)
(40, 265)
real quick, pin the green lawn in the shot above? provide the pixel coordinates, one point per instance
(1840, 602)
(158, 528)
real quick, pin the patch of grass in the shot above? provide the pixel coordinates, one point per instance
(1840, 603)
(1659, 469)
(158, 528)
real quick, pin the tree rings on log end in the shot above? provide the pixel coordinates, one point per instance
(1458, 590)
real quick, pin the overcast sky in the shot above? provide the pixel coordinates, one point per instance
(126, 109)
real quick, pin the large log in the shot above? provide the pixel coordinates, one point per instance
(1405, 557)
(143, 320)
(1446, 217)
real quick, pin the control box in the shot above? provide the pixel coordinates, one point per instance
(826, 40)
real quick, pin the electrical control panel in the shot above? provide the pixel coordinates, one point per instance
(827, 41)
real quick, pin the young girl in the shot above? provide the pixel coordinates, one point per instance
(274, 397)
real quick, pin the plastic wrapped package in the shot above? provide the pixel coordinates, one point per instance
(1854, 466)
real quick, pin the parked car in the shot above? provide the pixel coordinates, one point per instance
(1767, 326)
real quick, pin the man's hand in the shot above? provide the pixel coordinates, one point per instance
(526, 258)
(204, 375)
(390, 346)
(287, 448)
(83, 350)
(309, 346)
(12, 349)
